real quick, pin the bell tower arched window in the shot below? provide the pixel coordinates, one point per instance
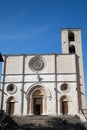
(71, 36)
(71, 49)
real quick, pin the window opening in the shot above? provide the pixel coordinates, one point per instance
(72, 49)
(71, 36)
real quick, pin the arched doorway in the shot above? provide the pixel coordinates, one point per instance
(64, 105)
(37, 101)
(10, 106)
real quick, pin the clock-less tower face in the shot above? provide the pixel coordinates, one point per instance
(36, 63)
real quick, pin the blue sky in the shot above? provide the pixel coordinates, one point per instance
(33, 26)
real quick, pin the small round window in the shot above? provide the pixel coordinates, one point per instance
(11, 88)
(64, 87)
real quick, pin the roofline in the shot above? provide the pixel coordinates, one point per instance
(37, 54)
(78, 29)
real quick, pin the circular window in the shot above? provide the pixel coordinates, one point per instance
(64, 87)
(11, 88)
(36, 63)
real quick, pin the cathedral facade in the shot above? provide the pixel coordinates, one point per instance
(45, 84)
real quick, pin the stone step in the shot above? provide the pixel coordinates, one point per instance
(43, 123)
(46, 119)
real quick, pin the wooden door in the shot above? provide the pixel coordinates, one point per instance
(11, 108)
(64, 107)
(37, 106)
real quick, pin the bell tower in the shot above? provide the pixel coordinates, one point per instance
(72, 44)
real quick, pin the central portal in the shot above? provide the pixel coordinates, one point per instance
(37, 101)
(37, 106)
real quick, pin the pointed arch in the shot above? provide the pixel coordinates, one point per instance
(37, 99)
(39, 86)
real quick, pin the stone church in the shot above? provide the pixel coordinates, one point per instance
(45, 84)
